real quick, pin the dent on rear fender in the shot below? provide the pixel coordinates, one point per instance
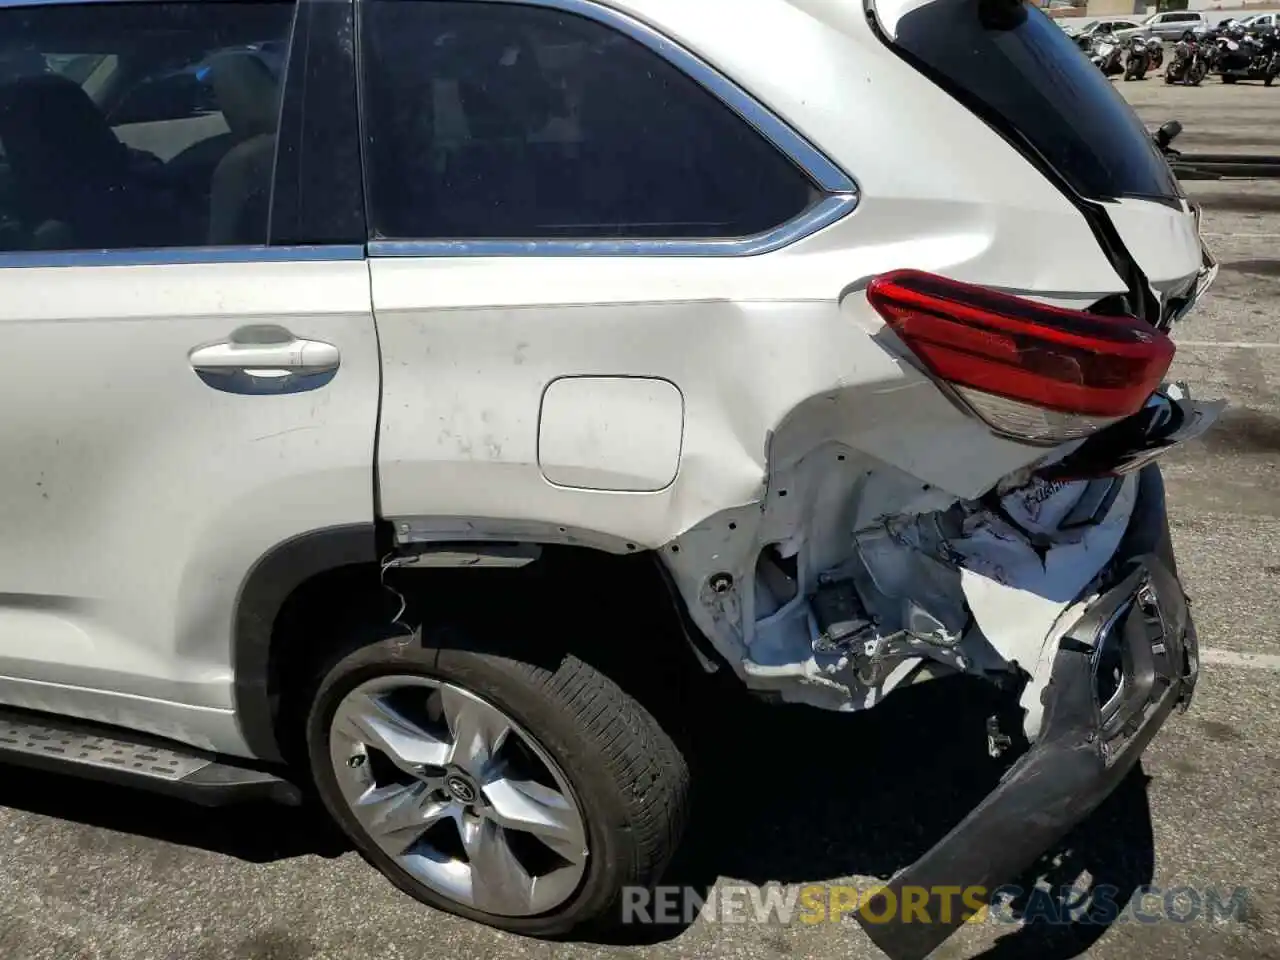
(853, 578)
(802, 432)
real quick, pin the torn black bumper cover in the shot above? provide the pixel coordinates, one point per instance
(1118, 673)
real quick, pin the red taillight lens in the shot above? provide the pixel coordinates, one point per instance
(1027, 368)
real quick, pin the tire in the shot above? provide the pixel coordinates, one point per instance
(624, 775)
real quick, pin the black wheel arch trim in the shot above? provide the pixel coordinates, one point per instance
(262, 595)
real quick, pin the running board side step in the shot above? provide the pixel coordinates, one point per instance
(117, 756)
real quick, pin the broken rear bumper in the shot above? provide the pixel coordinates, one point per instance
(1119, 671)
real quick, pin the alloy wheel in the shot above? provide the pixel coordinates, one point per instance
(462, 798)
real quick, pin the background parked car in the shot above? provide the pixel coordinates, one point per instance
(1169, 25)
(1260, 21)
(1084, 35)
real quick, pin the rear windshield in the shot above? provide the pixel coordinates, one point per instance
(1021, 71)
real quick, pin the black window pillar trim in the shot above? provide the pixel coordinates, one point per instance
(318, 200)
(318, 191)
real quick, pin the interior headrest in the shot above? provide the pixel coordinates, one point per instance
(48, 120)
(247, 93)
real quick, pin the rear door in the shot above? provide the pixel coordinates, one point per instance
(188, 372)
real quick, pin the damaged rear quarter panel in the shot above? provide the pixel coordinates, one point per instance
(948, 584)
(889, 581)
(768, 374)
(799, 428)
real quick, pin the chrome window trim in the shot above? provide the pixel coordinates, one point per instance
(175, 256)
(822, 214)
(840, 191)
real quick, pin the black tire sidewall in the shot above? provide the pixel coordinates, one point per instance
(612, 862)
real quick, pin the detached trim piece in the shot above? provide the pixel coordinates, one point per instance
(262, 595)
(1085, 749)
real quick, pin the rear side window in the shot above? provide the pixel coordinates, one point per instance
(1015, 67)
(488, 120)
(139, 125)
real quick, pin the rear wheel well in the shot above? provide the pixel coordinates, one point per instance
(617, 613)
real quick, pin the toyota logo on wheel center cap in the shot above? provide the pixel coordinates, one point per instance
(462, 789)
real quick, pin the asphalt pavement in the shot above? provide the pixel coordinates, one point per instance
(95, 873)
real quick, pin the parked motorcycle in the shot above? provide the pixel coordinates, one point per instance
(1137, 59)
(1228, 56)
(1268, 55)
(1271, 45)
(1188, 65)
(1155, 47)
(1106, 56)
(1244, 56)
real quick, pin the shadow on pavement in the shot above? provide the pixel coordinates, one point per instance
(783, 794)
(256, 832)
(793, 795)
(1114, 851)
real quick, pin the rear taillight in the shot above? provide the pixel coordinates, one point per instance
(1033, 371)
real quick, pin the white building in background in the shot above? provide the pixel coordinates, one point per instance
(1092, 9)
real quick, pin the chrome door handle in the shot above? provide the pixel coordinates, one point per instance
(265, 359)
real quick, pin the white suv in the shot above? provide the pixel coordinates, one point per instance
(368, 367)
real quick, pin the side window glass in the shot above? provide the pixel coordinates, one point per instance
(129, 126)
(488, 120)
